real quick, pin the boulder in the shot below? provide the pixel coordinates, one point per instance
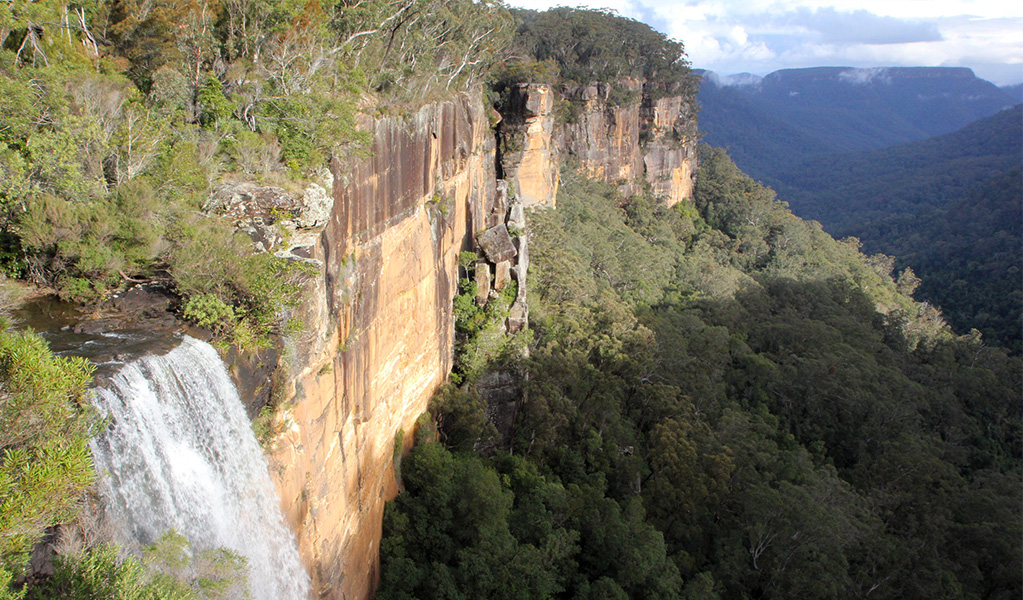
(264, 237)
(518, 315)
(502, 274)
(314, 207)
(500, 207)
(142, 299)
(522, 266)
(517, 216)
(482, 283)
(497, 244)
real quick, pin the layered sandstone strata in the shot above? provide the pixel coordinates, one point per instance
(630, 137)
(379, 335)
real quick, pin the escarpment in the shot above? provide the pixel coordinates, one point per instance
(379, 324)
(379, 329)
(634, 136)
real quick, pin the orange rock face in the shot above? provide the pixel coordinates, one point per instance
(669, 155)
(646, 138)
(532, 167)
(605, 139)
(379, 332)
(379, 324)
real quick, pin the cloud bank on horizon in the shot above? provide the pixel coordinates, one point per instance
(760, 36)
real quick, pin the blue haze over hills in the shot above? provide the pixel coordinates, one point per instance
(919, 163)
(772, 123)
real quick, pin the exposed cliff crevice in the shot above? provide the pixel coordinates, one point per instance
(379, 320)
(379, 329)
(646, 139)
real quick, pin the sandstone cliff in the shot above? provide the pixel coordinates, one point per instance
(647, 137)
(379, 322)
(379, 330)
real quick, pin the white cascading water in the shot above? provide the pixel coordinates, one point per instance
(180, 454)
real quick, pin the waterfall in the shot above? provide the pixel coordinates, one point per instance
(179, 454)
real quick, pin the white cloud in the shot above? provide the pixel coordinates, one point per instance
(865, 76)
(760, 36)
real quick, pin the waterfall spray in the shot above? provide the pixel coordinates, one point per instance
(180, 454)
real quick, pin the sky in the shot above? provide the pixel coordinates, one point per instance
(761, 36)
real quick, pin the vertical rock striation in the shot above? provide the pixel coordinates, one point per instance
(379, 322)
(639, 137)
(669, 152)
(605, 138)
(530, 156)
(379, 335)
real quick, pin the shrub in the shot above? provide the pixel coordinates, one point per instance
(45, 427)
(209, 311)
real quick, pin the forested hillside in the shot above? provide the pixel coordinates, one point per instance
(759, 140)
(578, 47)
(950, 207)
(722, 402)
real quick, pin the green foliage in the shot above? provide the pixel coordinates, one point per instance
(724, 402)
(461, 418)
(45, 464)
(595, 45)
(505, 531)
(480, 337)
(100, 173)
(949, 207)
(213, 105)
(241, 295)
(419, 49)
(212, 574)
(98, 574)
(209, 311)
(168, 570)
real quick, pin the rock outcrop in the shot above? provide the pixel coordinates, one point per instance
(641, 137)
(669, 153)
(379, 322)
(604, 138)
(529, 153)
(379, 336)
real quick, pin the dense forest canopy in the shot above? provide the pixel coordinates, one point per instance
(950, 207)
(596, 46)
(722, 402)
(943, 205)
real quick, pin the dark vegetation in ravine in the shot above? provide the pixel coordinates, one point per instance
(950, 207)
(947, 206)
(722, 402)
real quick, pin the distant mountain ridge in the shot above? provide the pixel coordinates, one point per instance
(775, 122)
(846, 192)
(1014, 91)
